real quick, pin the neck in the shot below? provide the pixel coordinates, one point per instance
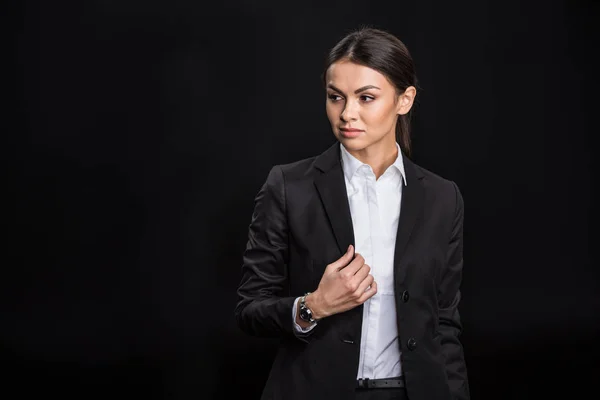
(379, 156)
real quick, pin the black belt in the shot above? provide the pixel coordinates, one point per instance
(391, 383)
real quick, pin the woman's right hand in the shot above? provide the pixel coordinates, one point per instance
(346, 283)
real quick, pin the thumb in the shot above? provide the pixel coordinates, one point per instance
(344, 259)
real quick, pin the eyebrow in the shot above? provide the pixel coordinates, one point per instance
(357, 91)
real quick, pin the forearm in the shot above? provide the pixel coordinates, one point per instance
(263, 308)
(265, 316)
(450, 329)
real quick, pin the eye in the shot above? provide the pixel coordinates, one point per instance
(366, 98)
(334, 97)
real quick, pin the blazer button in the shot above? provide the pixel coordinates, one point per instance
(405, 296)
(412, 344)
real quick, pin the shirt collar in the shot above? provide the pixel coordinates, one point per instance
(351, 164)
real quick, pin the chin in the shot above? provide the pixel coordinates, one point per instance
(354, 143)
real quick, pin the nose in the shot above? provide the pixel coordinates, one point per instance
(349, 112)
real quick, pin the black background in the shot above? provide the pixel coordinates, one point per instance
(139, 132)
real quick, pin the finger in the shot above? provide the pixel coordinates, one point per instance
(364, 285)
(343, 260)
(362, 273)
(354, 266)
(367, 294)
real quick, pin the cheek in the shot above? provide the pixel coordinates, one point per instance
(379, 116)
(332, 113)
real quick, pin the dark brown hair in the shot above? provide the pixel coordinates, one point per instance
(386, 54)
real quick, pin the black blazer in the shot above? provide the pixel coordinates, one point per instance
(301, 223)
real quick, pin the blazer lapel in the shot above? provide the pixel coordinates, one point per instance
(331, 187)
(410, 213)
(332, 190)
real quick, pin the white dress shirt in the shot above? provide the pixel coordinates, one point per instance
(375, 210)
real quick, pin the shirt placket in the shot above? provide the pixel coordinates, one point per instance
(374, 303)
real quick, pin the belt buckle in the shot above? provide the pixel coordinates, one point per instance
(363, 383)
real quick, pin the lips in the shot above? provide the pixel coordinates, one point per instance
(350, 132)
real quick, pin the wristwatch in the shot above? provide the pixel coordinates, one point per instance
(305, 313)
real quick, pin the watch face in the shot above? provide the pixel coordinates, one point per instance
(304, 314)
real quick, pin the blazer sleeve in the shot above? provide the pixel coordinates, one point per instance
(450, 326)
(264, 307)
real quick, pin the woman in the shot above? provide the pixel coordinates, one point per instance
(354, 258)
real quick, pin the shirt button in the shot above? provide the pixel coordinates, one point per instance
(412, 344)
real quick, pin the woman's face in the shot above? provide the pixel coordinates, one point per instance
(363, 106)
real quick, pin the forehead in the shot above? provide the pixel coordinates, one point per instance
(347, 75)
